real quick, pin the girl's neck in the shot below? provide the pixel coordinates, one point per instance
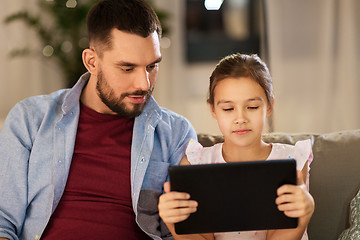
(257, 152)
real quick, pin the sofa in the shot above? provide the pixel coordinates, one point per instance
(334, 176)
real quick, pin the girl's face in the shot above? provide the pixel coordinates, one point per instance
(240, 108)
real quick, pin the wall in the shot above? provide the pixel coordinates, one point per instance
(314, 55)
(24, 76)
(182, 87)
(314, 59)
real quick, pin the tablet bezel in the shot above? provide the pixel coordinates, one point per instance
(234, 196)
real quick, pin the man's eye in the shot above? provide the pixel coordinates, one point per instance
(127, 69)
(228, 109)
(151, 67)
(253, 108)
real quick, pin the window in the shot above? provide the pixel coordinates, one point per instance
(213, 34)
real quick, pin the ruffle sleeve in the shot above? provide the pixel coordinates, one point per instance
(193, 152)
(303, 154)
(197, 154)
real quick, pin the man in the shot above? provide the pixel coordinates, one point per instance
(90, 162)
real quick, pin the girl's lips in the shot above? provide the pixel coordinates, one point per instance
(137, 99)
(242, 131)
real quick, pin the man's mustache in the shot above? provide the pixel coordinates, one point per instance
(138, 93)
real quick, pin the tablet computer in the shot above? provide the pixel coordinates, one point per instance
(234, 196)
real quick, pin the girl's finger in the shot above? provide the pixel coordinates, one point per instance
(178, 204)
(167, 187)
(177, 214)
(172, 196)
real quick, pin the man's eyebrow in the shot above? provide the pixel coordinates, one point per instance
(156, 61)
(129, 64)
(125, 64)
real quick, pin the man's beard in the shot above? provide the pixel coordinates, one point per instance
(117, 105)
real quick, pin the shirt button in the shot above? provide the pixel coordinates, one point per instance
(142, 160)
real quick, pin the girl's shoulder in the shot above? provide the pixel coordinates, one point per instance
(301, 152)
(197, 154)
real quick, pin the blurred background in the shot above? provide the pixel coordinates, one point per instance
(312, 48)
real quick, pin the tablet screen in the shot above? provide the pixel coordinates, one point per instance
(234, 196)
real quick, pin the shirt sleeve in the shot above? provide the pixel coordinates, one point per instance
(193, 152)
(303, 154)
(15, 142)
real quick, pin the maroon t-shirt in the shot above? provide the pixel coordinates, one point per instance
(96, 203)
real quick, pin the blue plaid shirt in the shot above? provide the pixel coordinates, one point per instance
(36, 148)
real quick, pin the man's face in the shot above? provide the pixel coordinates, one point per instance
(117, 104)
(127, 72)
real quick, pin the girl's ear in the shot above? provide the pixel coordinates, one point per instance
(213, 114)
(89, 58)
(270, 108)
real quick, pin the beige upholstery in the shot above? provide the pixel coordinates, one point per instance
(334, 176)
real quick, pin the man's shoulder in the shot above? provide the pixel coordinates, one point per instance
(164, 115)
(33, 109)
(170, 113)
(174, 120)
(43, 101)
(67, 96)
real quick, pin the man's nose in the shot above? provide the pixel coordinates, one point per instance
(142, 81)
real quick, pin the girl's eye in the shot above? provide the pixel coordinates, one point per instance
(228, 109)
(253, 108)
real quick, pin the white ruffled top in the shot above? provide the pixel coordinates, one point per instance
(301, 152)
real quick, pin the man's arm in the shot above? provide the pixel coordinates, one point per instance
(15, 144)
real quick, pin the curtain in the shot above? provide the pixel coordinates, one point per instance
(314, 58)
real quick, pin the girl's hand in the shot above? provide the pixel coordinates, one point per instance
(294, 200)
(175, 206)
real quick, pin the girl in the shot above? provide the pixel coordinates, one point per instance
(241, 99)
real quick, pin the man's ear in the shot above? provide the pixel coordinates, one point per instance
(89, 58)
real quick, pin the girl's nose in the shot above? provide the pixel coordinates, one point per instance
(240, 117)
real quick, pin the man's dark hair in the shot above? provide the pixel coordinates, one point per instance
(132, 16)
